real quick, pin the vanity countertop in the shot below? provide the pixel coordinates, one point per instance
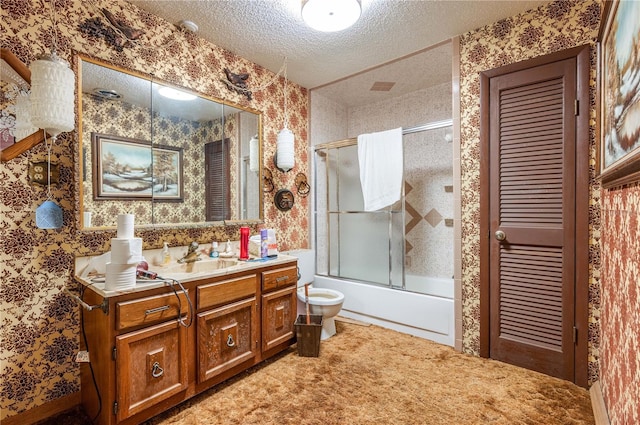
(201, 269)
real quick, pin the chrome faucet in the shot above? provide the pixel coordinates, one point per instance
(192, 254)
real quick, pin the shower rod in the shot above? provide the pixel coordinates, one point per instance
(416, 129)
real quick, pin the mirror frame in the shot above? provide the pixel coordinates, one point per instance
(79, 58)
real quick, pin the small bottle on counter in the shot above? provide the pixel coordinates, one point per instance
(166, 255)
(244, 243)
(264, 244)
(214, 250)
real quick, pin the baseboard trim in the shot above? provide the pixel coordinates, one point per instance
(44, 411)
(597, 404)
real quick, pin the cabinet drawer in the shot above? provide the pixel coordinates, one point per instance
(279, 278)
(145, 311)
(214, 294)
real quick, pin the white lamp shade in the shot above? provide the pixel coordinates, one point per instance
(24, 127)
(254, 151)
(285, 150)
(52, 98)
(330, 15)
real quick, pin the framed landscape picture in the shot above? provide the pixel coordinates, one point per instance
(619, 85)
(128, 169)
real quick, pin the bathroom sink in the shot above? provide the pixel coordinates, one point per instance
(202, 266)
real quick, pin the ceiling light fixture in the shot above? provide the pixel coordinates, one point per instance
(174, 94)
(330, 15)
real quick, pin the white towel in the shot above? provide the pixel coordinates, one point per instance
(380, 159)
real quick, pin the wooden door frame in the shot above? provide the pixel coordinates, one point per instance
(582, 55)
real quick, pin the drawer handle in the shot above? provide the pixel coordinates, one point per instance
(156, 310)
(282, 278)
(230, 341)
(156, 370)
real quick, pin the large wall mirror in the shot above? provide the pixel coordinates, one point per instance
(167, 155)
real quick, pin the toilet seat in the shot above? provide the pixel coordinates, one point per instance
(322, 296)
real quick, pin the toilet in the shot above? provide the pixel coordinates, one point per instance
(322, 301)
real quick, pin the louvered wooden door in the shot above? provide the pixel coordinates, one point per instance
(217, 198)
(532, 207)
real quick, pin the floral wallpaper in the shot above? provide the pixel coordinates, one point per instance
(553, 27)
(39, 331)
(620, 357)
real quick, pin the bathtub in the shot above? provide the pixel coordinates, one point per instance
(429, 316)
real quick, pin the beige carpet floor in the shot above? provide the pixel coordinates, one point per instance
(370, 375)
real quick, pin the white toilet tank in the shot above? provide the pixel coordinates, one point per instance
(306, 264)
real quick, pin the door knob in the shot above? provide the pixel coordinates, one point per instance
(500, 235)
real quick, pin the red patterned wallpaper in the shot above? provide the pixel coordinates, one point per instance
(620, 316)
(40, 325)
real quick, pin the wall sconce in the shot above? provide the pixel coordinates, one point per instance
(284, 157)
(254, 152)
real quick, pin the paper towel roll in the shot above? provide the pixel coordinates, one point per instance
(125, 226)
(126, 250)
(120, 276)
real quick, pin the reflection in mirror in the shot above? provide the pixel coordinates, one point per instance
(168, 161)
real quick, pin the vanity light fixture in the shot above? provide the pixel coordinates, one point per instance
(330, 15)
(285, 144)
(175, 94)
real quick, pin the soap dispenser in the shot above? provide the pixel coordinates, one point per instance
(214, 250)
(166, 255)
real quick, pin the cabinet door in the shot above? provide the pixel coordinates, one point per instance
(279, 311)
(151, 366)
(227, 337)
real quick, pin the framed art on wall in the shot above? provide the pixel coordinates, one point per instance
(128, 169)
(619, 86)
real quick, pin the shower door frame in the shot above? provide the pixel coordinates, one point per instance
(351, 142)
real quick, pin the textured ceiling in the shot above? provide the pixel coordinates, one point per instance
(267, 31)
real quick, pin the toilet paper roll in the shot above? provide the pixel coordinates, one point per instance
(125, 226)
(126, 250)
(120, 276)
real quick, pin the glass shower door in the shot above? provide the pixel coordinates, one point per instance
(354, 244)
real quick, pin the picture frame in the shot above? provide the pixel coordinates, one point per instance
(619, 105)
(133, 169)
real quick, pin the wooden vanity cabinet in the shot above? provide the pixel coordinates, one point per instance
(144, 361)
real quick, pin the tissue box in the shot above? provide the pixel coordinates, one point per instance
(272, 244)
(254, 245)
